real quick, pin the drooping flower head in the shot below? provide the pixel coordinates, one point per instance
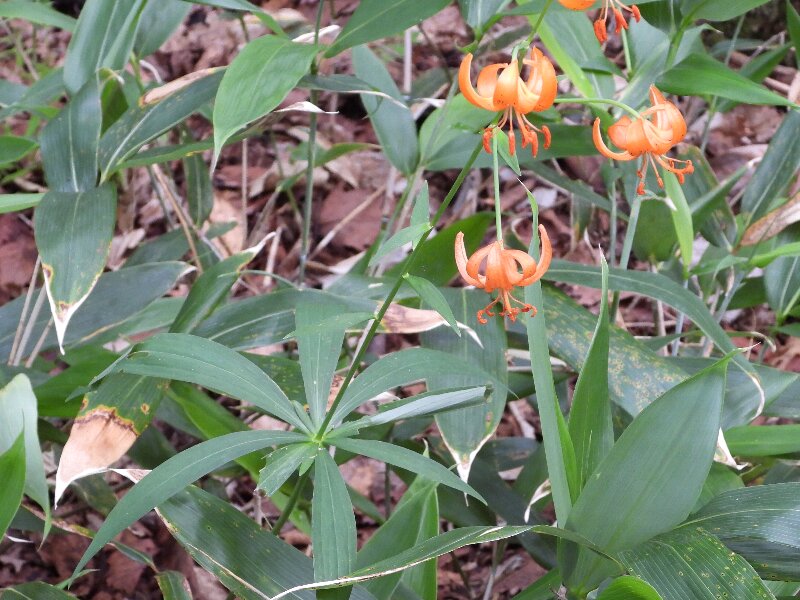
(503, 269)
(650, 136)
(615, 7)
(501, 88)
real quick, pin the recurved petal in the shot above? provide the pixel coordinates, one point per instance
(474, 264)
(461, 261)
(465, 85)
(487, 79)
(544, 259)
(525, 261)
(505, 94)
(605, 150)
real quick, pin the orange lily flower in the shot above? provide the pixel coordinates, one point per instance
(502, 272)
(651, 136)
(615, 7)
(501, 88)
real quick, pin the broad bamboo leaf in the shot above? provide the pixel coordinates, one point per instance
(73, 235)
(189, 358)
(12, 474)
(590, 424)
(69, 142)
(258, 79)
(333, 521)
(18, 416)
(631, 496)
(15, 202)
(701, 75)
(477, 13)
(393, 123)
(175, 474)
(466, 430)
(147, 120)
(375, 19)
(103, 37)
(14, 148)
(691, 563)
(772, 440)
(762, 523)
(109, 422)
(38, 590)
(718, 10)
(408, 460)
(157, 23)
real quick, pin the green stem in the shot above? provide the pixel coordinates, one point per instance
(409, 262)
(496, 172)
(627, 245)
(616, 103)
(539, 21)
(312, 143)
(289, 508)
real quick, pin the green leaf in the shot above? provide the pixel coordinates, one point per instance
(393, 123)
(407, 366)
(15, 202)
(701, 75)
(774, 173)
(175, 474)
(199, 191)
(559, 451)
(281, 463)
(408, 460)
(718, 10)
(543, 588)
(18, 416)
(632, 496)
(375, 19)
(430, 295)
(36, 12)
(629, 588)
(13, 148)
(477, 13)
(158, 22)
(196, 360)
(410, 234)
(73, 235)
(146, 121)
(590, 424)
(69, 142)
(36, 590)
(103, 37)
(793, 25)
(762, 523)
(12, 474)
(681, 219)
(465, 431)
(333, 521)
(782, 283)
(256, 82)
(422, 207)
(210, 290)
(690, 563)
(173, 585)
(765, 440)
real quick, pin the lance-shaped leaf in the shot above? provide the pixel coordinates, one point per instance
(393, 122)
(110, 420)
(37, 589)
(157, 23)
(69, 142)
(629, 588)
(691, 563)
(210, 290)
(632, 495)
(193, 359)
(590, 424)
(256, 82)
(173, 585)
(73, 235)
(154, 115)
(175, 474)
(333, 521)
(281, 463)
(18, 416)
(408, 460)
(375, 19)
(36, 13)
(12, 474)
(762, 523)
(103, 37)
(199, 192)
